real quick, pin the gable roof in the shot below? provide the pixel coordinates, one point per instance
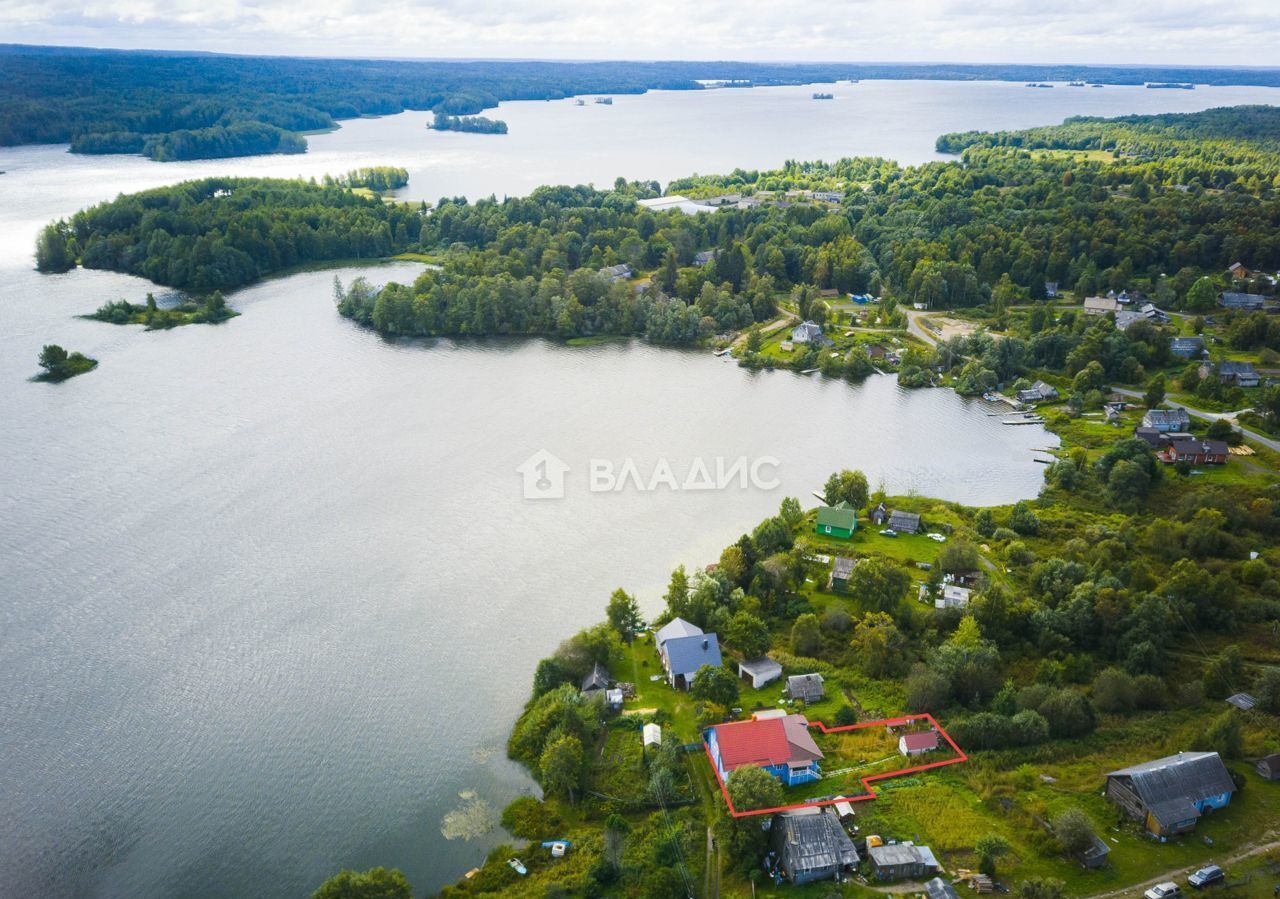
(1168, 787)
(597, 678)
(802, 685)
(1235, 300)
(940, 889)
(761, 667)
(904, 521)
(766, 742)
(841, 515)
(1166, 416)
(813, 842)
(685, 655)
(842, 568)
(1231, 367)
(927, 739)
(1195, 446)
(895, 855)
(806, 330)
(676, 627)
(1242, 701)
(1101, 304)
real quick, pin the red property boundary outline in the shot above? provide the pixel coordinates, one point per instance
(866, 781)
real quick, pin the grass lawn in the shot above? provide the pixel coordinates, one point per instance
(1103, 156)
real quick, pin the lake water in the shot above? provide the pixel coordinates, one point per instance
(271, 593)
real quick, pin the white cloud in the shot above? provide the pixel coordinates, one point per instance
(1104, 31)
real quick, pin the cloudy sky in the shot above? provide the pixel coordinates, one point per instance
(1204, 32)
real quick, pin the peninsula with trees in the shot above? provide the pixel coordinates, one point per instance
(1114, 633)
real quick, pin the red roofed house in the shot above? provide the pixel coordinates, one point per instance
(780, 745)
(918, 743)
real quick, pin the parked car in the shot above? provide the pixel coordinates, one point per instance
(937, 538)
(888, 532)
(1163, 891)
(1207, 875)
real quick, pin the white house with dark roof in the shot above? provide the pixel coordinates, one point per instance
(1166, 419)
(806, 332)
(760, 672)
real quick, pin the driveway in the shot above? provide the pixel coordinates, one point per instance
(1269, 442)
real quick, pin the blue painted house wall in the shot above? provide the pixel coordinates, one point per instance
(1213, 802)
(784, 773)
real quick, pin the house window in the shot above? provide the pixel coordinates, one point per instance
(827, 528)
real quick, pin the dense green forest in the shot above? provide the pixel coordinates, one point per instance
(220, 233)
(476, 124)
(948, 235)
(993, 228)
(185, 106)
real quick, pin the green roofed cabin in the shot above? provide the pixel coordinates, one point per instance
(840, 520)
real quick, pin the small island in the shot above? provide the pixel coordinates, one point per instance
(1170, 85)
(59, 365)
(822, 96)
(474, 124)
(209, 311)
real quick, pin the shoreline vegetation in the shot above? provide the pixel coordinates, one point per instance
(59, 365)
(473, 124)
(207, 106)
(378, 179)
(1103, 624)
(849, 246)
(1068, 658)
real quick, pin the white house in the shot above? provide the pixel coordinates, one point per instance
(806, 332)
(953, 597)
(760, 672)
(918, 743)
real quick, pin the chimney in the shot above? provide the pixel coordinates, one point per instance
(705, 643)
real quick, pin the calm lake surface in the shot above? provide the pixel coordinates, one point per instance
(270, 595)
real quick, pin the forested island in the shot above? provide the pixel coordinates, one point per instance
(207, 311)
(473, 124)
(172, 106)
(59, 365)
